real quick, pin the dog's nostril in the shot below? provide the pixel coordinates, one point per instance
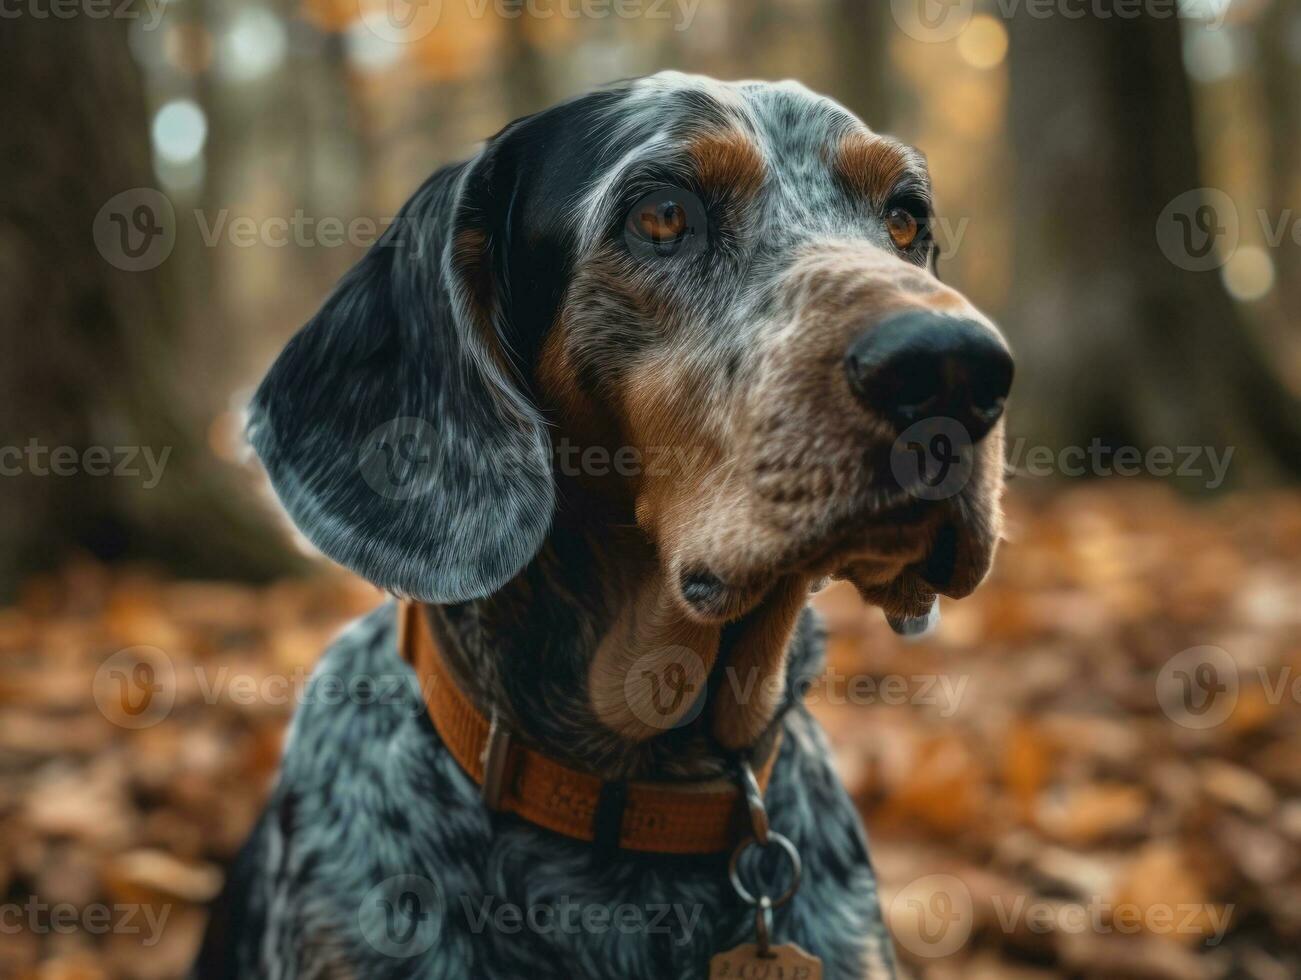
(701, 588)
(942, 563)
(913, 387)
(920, 365)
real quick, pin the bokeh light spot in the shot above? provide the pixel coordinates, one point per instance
(984, 43)
(1209, 55)
(179, 131)
(369, 52)
(253, 46)
(1249, 273)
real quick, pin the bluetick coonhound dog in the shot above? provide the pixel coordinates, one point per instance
(602, 407)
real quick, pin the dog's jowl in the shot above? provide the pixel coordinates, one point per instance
(600, 410)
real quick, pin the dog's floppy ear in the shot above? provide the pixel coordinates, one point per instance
(393, 426)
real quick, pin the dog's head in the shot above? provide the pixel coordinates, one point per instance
(724, 286)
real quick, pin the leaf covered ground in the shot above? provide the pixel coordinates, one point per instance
(1092, 769)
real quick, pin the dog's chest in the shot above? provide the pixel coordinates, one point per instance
(384, 864)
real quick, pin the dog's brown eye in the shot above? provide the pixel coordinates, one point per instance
(666, 223)
(902, 226)
(662, 221)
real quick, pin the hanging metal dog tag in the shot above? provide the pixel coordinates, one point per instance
(787, 962)
(761, 960)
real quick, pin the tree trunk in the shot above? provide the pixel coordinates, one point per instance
(1117, 338)
(524, 81)
(1281, 78)
(861, 78)
(90, 326)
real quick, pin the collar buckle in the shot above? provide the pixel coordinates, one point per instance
(496, 754)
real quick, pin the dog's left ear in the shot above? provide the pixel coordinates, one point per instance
(394, 427)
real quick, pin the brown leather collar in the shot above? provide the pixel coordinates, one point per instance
(667, 818)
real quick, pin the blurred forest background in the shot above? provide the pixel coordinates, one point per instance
(1119, 184)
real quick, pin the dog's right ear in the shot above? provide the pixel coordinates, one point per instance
(393, 427)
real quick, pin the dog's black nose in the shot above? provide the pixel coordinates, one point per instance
(919, 365)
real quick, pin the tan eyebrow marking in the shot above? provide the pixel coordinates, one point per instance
(871, 165)
(728, 161)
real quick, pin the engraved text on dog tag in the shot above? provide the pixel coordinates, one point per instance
(786, 962)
